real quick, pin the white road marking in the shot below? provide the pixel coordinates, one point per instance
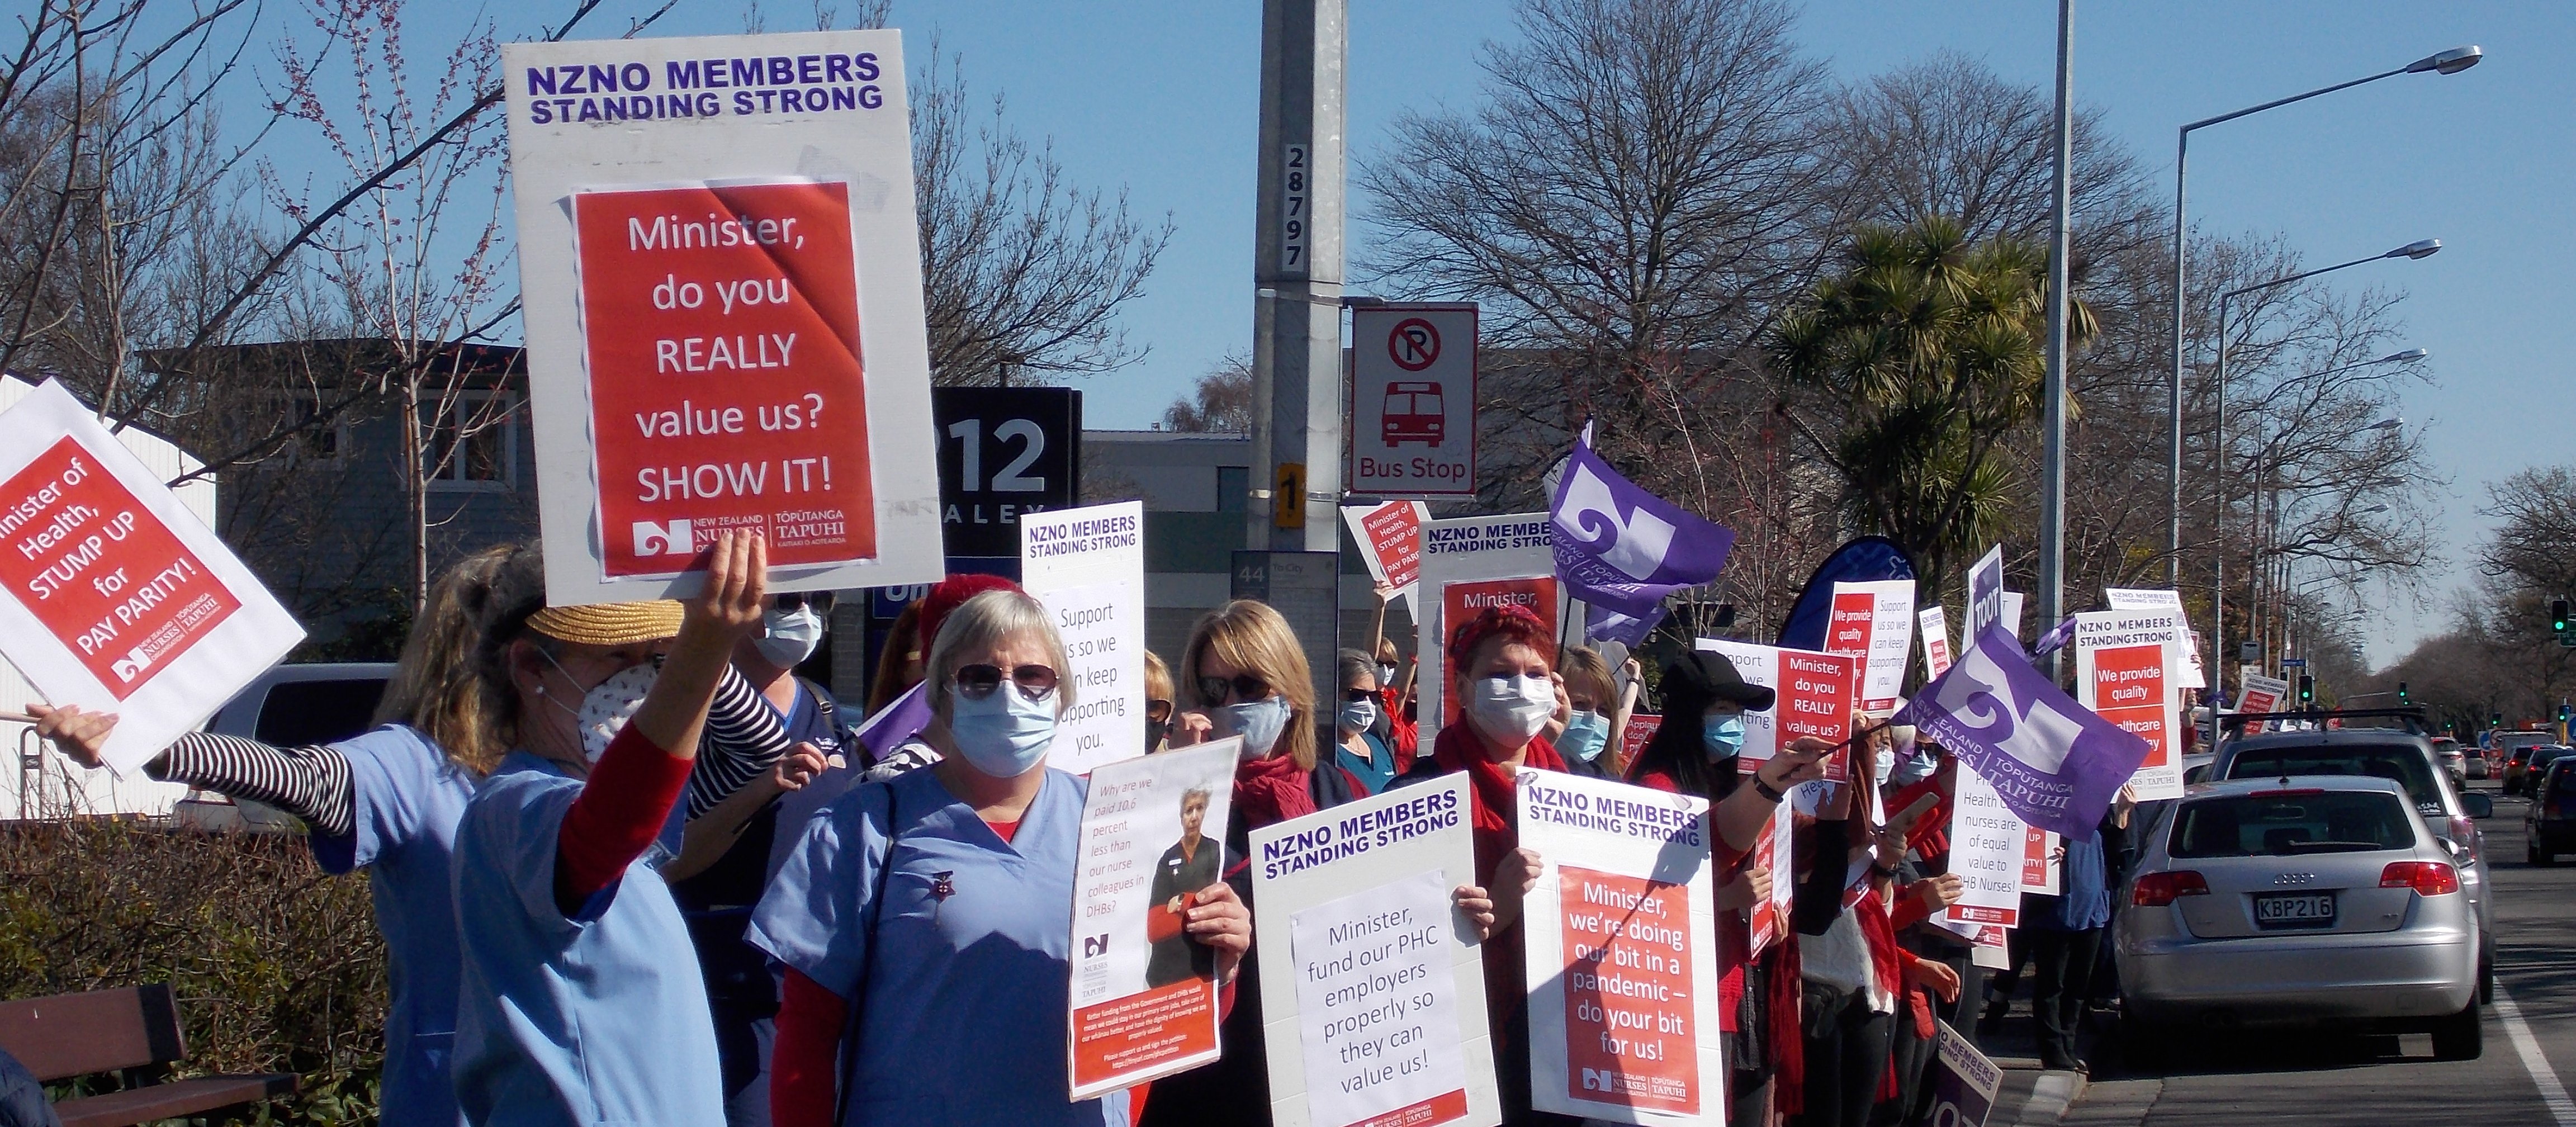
(2527, 1047)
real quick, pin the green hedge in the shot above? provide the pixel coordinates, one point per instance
(277, 966)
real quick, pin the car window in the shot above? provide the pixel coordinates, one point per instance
(304, 713)
(2545, 755)
(2291, 822)
(2403, 764)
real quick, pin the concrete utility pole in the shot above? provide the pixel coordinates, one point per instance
(1297, 377)
(2052, 504)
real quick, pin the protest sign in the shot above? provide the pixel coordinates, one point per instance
(1375, 1015)
(1632, 739)
(1986, 592)
(1985, 854)
(2191, 675)
(2260, 694)
(2124, 665)
(1087, 566)
(2013, 603)
(1874, 621)
(1769, 920)
(2039, 860)
(1390, 540)
(1964, 1082)
(723, 309)
(1936, 641)
(1620, 547)
(1812, 696)
(113, 596)
(2055, 763)
(1144, 995)
(1621, 953)
(1475, 549)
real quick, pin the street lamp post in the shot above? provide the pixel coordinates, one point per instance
(2453, 61)
(2420, 248)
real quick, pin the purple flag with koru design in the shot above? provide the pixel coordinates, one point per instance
(2056, 763)
(1620, 547)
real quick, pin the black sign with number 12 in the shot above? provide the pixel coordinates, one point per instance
(1004, 451)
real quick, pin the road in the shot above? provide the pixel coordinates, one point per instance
(2322, 1079)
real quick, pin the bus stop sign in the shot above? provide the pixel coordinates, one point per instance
(1413, 400)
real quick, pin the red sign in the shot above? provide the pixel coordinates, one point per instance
(1459, 602)
(1395, 534)
(103, 574)
(1138, 1031)
(1815, 699)
(727, 387)
(1631, 1035)
(2129, 689)
(1854, 614)
(1414, 344)
(2035, 866)
(1632, 740)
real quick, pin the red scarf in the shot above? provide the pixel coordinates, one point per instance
(1272, 790)
(1495, 806)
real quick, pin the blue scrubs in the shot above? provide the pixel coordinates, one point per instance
(963, 1017)
(409, 798)
(1373, 772)
(595, 1018)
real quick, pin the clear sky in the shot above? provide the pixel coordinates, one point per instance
(1158, 97)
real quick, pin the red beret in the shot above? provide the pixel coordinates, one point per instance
(1507, 620)
(949, 594)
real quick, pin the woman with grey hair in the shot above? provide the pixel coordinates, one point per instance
(939, 906)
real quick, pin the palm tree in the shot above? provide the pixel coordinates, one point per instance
(1930, 347)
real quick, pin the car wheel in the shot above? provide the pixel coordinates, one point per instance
(2541, 856)
(2486, 976)
(2460, 1036)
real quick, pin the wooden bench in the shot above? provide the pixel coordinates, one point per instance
(71, 1035)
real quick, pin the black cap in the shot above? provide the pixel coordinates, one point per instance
(1693, 682)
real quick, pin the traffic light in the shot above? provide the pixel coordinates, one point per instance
(2401, 692)
(2307, 688)
(2557, 616)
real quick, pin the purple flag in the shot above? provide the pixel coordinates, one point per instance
(1620, 547)
(1607, 624)
(2055, 763)
(2054, 640)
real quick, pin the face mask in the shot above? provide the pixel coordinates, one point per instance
(1586, 733)
(1258, 722)
(1358, 716)
(1004, 734)
(791, 638)
(607, 707)
(1511, 709)
(1724, 735)
(1385, 674)
(1914, 769)
(1154, 732)
(1885, 767)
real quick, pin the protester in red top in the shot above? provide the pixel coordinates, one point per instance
(1245, 675)
(1695, 752)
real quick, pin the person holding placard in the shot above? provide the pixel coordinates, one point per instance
(1703, 759)
(925, 921)
(1499, 662)
(1247, 675)
(389, 801)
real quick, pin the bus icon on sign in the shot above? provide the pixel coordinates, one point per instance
(1413, 413)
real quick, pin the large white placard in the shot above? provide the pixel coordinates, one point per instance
(1087, 566)
(1985, 854)
(113, 596)
(2191, 675)
(1375, 1013)
(1413, 400)
(1510, 557)
(737, 341)
(2124, 671)
(1143, 1001)
(1621, 953)
(1875, 621)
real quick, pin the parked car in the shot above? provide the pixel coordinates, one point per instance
(2549, 827)
(2453, 760)
(2310, 900)
(2407, 760)
(288, 706)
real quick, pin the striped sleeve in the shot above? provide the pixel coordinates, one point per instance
(312, 783)
(743, 738)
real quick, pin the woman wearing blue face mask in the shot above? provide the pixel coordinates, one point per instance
(1590, 716)
(925, 920)
(1243, 674)
(1359, 750)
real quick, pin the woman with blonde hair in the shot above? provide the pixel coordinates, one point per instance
(1592, 714)
(389, 800)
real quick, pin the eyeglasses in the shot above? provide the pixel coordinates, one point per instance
(975, 682)
(821, 601)
(1158, 710)
(1245, 687)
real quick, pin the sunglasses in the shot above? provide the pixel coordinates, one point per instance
(1158, 710)
(975, 682)
(821, 601)
(1357, 695)
(1245, 687)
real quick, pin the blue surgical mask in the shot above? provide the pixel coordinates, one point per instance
(1586, 733)
(1724, 735)
(1358, 716)
(789, 637)
(1259, 722)
(1004, 734)
(1885, 765)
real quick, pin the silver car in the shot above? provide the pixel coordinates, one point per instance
(2307, 900)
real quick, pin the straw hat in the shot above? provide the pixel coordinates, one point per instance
(609, 624)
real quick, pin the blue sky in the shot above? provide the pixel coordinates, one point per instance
(1158, 97)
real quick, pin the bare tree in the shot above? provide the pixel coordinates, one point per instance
(1220, 402)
